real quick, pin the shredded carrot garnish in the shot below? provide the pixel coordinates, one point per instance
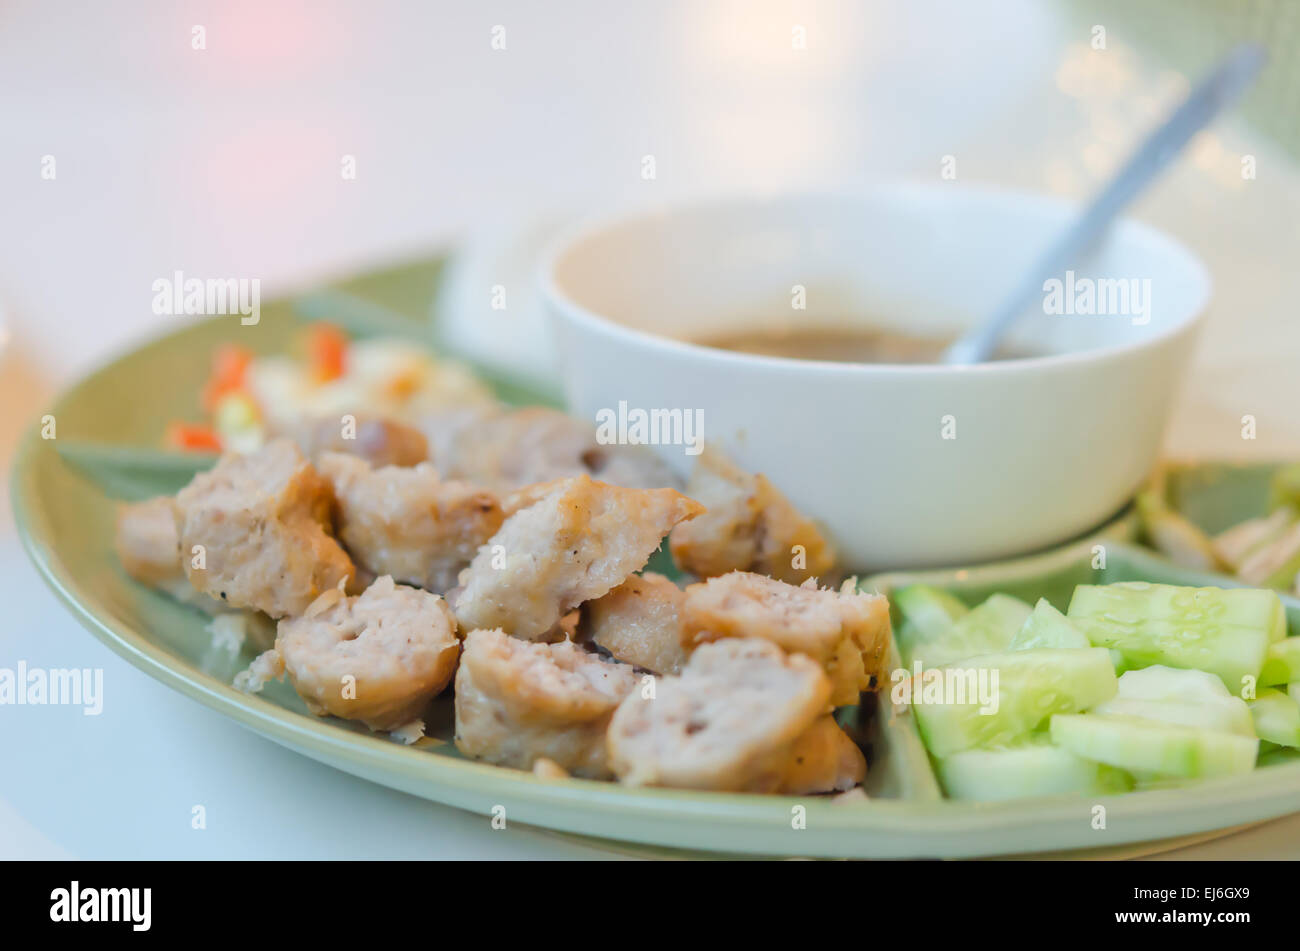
(229, 366)
(327, 349)
(193, 437)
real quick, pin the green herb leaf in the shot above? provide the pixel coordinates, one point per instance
(133, 474)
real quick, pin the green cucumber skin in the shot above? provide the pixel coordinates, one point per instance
(1032, 685)
(1047, 627)
(1036, 769)
(1281, 663)
(1277, 756)
(1277, 718)
(1148, 747)
(1225, 631)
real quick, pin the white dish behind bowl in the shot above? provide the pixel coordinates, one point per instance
(506, 333)
(1044, 448)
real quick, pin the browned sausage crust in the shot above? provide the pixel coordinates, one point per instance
(577, 542)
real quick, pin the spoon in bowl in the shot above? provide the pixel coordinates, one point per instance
(1217, 91)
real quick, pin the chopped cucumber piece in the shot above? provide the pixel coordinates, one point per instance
(1188, 697)
(1140, 600)
(932, 610)
(1173, 684)
(986, 629)
(1047, 627)
(928, 615)
(1277, 718)
(1281, 663)
(1000, 699)
(1237, 544)
(1231, 714)
(1225, 631)
(1165, 749)
(1174, 534)
(1035, 769)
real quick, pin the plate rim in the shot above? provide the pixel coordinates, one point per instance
(725, 822)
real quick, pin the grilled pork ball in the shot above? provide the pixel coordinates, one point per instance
(577, 542)
(379, 657)
(639, 623)
(845, 631)
(408, 523)
(728, 722)
(254, 531)
(748, 526)
(519, 702)
(822, 760)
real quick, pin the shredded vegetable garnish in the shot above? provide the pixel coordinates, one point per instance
(193, 437)
(229, 366)
(327, 350)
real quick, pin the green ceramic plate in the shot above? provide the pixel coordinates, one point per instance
(66, 521)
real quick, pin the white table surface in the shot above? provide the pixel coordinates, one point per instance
(225, 161)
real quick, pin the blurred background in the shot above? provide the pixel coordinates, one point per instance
(213, 137)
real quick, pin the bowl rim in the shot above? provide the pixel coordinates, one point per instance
(560, 301)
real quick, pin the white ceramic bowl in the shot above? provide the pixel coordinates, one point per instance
(1045, 448)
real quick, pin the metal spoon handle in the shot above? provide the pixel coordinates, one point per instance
(1218, 90)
